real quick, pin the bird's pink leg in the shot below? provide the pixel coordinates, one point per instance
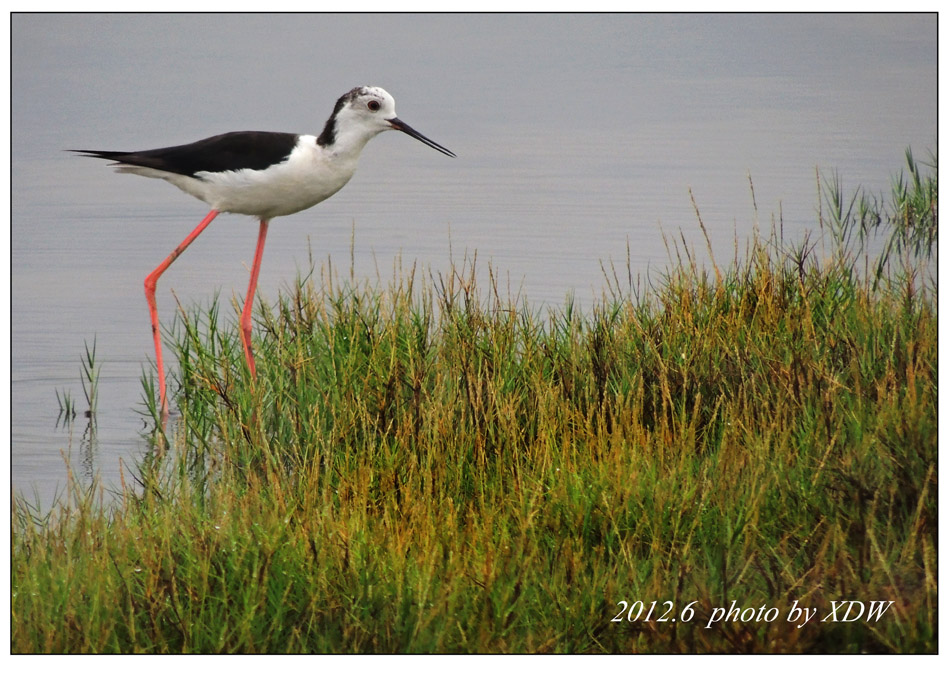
(249, 299)
(150, 283)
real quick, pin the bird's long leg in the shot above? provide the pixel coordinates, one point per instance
(150, 283)
(249, 299)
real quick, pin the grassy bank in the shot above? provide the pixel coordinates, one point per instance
(427, 466)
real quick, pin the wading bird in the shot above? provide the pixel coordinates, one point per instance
(262, 174)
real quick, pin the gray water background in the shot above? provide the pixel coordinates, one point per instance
(579, 138)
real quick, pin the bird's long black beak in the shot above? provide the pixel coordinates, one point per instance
(399, 124)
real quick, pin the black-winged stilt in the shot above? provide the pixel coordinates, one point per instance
(262, 174)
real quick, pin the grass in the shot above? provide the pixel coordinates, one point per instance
(429, 466)
(89, 377)
(67, 408)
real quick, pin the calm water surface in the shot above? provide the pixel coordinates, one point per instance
(576, 135)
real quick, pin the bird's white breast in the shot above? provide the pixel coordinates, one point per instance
(306, 178)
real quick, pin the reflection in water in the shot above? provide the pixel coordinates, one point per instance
(149, 460)
(88, 445)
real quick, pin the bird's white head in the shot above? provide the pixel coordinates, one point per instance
(362, 113)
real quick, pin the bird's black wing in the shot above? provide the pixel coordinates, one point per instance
(256, 150)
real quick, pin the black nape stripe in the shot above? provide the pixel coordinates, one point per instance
(327, 137)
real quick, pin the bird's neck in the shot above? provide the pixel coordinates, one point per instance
(347, 146)
(344, 137)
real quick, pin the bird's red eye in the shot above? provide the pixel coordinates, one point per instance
(373, 106)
